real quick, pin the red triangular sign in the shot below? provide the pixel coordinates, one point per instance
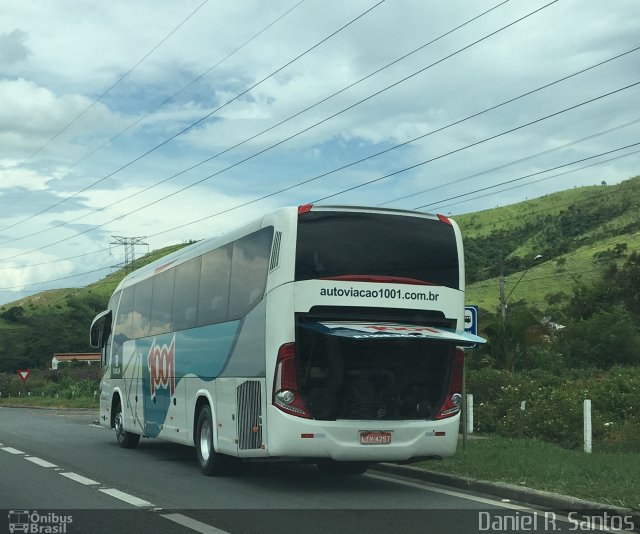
(24, 374)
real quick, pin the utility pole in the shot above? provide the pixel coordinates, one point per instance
(129, 248)
(503, 300)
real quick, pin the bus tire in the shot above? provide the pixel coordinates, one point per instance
(331, 467)
(212, 463)
(126, 440)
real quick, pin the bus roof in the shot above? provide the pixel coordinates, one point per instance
(201, 247)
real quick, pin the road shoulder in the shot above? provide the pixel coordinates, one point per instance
(528, 496)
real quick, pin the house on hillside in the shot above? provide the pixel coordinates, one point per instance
(86, 357)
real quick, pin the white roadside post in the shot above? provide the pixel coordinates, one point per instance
(587, 426)
(523, 407)
(469, 413)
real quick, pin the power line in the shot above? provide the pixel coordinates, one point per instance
(138, 121)
(335, 114)
(537, 181)
(511, 130)
(107, 91)
(57, 279)
(54, 261)
(515, 162)
(348, 189)
(563, 274)
(326, 120)
(239, 95)
(530, 175)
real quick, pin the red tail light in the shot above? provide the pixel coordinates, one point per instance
(453, 402)
(304, 209)
(286, 396)
(444, 219)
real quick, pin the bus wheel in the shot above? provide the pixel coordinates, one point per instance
(126, 440)
(212, 463)
(331, 467)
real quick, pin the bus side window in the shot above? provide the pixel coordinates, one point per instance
(124, 320)
(113, 306)
(142, 309)
(215, 273)
(185, 294)
(122, 333)
(162, 302)
(249, 268)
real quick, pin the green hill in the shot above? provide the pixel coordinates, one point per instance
(576, 231)
(34, 328)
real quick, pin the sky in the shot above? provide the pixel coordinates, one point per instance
(175, 121)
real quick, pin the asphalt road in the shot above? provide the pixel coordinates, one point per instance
(57, 465)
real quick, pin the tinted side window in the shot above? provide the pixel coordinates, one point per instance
(162, 302)
(124, 320)
(142, 309)
(215, 273)
(249, 267)
(113, 302)
(185, 294)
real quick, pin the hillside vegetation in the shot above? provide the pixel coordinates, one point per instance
(579, 233)
(571, 330)
(34, 328)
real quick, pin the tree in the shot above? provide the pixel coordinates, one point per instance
(13, 314)
(607, 338)
(602, 330)
(509, 340)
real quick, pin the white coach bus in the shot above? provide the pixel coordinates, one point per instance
(320, 333)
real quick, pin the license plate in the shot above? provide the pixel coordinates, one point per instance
(375, 438)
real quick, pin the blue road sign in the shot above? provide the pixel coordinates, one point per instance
(471, 319)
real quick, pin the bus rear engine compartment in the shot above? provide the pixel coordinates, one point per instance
(372, 379)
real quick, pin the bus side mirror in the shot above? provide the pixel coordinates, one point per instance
(100, 330)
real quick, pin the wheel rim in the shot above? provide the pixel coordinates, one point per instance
(118, 425)
(205, 441)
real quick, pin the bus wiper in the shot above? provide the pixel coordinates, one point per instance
(378, 278)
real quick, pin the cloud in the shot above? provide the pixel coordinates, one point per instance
(57, 61)
(32, 115)
(13, 47)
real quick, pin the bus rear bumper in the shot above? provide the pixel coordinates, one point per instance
(343, 440)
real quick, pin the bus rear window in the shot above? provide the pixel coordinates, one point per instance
(372, 246)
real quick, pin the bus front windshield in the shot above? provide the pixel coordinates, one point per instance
(376, 246)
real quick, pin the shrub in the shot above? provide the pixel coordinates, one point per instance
(554, 405)
(67, 383)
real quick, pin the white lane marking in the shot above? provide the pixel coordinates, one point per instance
(97, 426)
(39, 461)
(185, 521)
(427, 487)
(79, 478)
(11, 450)
(131, 499)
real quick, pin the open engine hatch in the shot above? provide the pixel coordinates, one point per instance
(377, 330)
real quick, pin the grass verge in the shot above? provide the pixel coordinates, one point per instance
(49, 402)
(608, 478)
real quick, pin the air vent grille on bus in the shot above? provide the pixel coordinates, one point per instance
(275, 251)
(249, 415)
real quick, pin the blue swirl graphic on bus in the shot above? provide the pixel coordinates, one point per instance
(168, 358)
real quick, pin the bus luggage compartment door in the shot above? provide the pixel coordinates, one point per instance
(375, 371)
